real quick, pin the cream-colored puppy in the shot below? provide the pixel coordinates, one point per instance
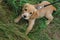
(30, 13)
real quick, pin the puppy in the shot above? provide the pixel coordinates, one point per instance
(30, 13)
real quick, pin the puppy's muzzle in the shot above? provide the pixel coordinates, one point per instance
(24, 16)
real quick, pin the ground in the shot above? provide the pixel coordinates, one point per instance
(12, 31)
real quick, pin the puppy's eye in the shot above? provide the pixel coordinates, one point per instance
(25, 9)
(30, 12)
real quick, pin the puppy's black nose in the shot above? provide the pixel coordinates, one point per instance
(24, 16)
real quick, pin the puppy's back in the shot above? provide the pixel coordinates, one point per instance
(46, 3)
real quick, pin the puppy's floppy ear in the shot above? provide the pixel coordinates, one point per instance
(34, 15)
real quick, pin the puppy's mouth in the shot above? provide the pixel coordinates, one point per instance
(25, 17)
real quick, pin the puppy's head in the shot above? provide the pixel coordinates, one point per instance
(29, 11)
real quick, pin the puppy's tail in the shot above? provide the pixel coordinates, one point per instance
(54, 8)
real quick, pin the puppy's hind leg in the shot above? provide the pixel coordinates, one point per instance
(49, 17)
(17, 19)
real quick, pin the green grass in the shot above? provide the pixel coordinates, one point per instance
(11, 31)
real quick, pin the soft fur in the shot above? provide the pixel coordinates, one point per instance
(32, 13)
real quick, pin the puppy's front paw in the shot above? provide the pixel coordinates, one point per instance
(16, 20)
(47, 23)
